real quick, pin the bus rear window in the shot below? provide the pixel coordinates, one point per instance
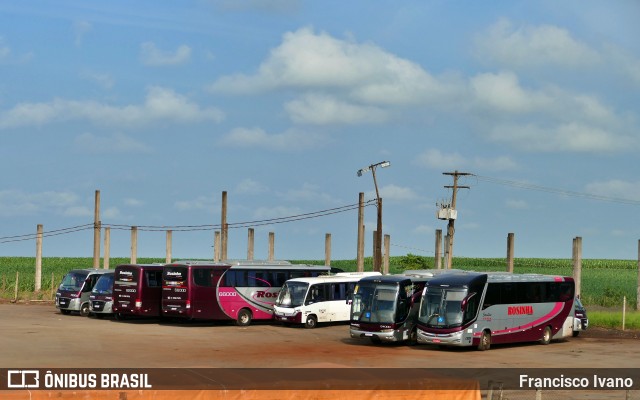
(126, 275)
(175, 276)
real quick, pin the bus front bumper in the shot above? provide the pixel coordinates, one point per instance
(449, 339)
(386, 335)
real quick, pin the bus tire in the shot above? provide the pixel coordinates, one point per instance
(485, 341)
(312, 322)
(546, 335)
(84, 310)
(244, 317)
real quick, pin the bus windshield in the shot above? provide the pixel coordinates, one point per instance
(73, 281)
(292, 294)
(104, 285)
(444, 308)
(374, 303)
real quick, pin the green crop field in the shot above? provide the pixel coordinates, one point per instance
(604, 282)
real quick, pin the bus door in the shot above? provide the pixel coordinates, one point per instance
(317, 302)
(150, 291)
(203, 293)
(340, 309)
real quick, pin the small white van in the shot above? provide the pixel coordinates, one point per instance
(309, 301)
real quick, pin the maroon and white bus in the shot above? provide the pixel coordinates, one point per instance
(230, 290)
(137, 290)
(480, 309)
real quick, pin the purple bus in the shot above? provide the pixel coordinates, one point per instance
(232, 290)
(137, 290)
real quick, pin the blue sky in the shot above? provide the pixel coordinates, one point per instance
(163, 105)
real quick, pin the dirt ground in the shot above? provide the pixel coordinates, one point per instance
(36, 335)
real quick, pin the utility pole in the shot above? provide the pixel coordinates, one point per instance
(450, 226)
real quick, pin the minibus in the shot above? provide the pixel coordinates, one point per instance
(74, 291)
(101, 297)
(310, 301)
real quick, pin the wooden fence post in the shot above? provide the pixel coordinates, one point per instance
(577, 264)
(15, 292)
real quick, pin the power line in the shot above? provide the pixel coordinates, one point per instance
(529, 186)
(57, 232)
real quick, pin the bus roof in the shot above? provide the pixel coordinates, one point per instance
(251, 264)
(340, 277)
(467, 278)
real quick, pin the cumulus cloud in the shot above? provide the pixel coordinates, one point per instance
(615, 188)
(161, 104)
(15, 203)
(571, 137)
(285, 141)
(151, 55)
(436, 159)
(363, 72)
(205, 203)
(530, 46)
(80, 29)
(323, 109)
(249, 186)
(116, 143)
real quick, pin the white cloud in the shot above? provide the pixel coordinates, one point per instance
(288, 140)
(205, 203)
(116, 143)
(517, 204)
(308, 192)
(393, 193)
(615, 188)
(80, 29)
(568, 137)
(531, 46)
(152, 56)
(322, 109)
(15, 203)
(8, 57)
(363, 72)
(249, 186)
(133, 202)
(503, 93)
(420, 229)
(275, 212)
(105, 80)
(161, 104)
(436, 159)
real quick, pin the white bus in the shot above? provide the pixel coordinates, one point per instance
(309, 301)
(480, 309)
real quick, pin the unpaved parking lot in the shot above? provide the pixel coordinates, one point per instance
(38, 336)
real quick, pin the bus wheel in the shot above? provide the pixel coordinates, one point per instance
(546, 335)
(84, 310)
(312, 322)
(244, 317)
(485, 341)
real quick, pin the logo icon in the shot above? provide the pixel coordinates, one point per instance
(20, 379)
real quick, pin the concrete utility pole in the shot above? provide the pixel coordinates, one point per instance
(224, 227)
(450, 227)
(96, 231)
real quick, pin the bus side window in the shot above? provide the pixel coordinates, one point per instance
(493, 295)
(202, 276)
